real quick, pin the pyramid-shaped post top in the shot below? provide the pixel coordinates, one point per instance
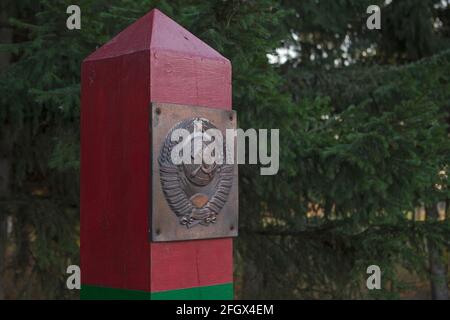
(157, 31)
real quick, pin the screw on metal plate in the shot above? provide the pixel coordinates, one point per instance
(156, 117)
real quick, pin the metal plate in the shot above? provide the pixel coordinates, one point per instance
(191, 201)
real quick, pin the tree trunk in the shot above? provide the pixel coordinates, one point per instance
(2, 253)
(6, 36)
(252, 282)
(4, 192)
(438, 267)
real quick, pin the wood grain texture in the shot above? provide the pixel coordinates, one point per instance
(114, 171)
(152, 60)
(192, 80)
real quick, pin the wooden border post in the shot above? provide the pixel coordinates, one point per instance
(153, 60)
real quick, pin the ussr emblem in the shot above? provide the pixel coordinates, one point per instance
(192, 198)
(196, 193)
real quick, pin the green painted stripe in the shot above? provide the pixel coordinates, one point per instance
(215, 292)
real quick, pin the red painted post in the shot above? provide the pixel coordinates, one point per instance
(153, 60)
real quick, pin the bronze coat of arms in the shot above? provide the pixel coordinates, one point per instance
(193, 200)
